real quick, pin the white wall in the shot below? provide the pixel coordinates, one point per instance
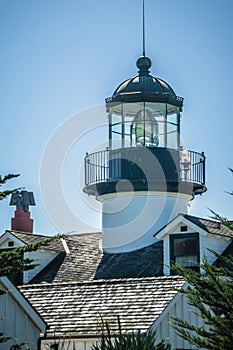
(16, 322)
(68, 343)
(209, 241)
(214, 242)
(42, 258)
(130, 219)
(163, 326)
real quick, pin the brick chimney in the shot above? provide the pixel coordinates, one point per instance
(22, 221)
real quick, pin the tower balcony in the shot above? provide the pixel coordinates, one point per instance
(144, 169)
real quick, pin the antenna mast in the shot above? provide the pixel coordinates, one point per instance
(143, 28)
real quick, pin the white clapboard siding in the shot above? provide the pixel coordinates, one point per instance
(20, 320)
(163, 325)
(67, 343)
(42, 258)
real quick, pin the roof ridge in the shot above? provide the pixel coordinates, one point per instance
(73, 233)
(200, 218)
(102, 281)
(28, 233)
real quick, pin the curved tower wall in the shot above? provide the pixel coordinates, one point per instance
(130, 219)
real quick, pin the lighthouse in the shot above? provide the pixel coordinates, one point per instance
(145, 177)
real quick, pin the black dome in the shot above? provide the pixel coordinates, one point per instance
(144, 84)
(145, 87)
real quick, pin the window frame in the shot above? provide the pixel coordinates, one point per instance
(172, 239)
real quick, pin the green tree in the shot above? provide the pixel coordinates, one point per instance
(3, 180)
(127, 341)
(211, 293)
(225, 221)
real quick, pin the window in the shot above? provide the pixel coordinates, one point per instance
(10, 244)
(183, 228)
(184, 250)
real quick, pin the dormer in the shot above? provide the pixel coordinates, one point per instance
(187, 239)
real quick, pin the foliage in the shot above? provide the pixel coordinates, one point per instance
(128, 341)
(12, 261)
(211, 293)
(225, 221)
(3, 180)
(3, 338)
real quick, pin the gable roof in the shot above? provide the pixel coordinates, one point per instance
(87, 261)
(77, 308)
(29, 238)
(204, 226)
(228, 252)
(28, 309)
(211, 226)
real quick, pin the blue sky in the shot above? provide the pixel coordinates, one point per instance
(61, 57)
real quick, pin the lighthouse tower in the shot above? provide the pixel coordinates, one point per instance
(144, 178)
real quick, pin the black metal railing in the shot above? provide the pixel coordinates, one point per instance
(98, 169)
(192, 166)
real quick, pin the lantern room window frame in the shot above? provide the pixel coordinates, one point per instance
(122, 118)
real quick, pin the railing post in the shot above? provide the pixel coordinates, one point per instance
(203, 166)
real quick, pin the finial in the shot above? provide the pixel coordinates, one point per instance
(143, 64)
(143, 29)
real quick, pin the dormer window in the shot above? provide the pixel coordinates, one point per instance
(183, 228)
(184, 249)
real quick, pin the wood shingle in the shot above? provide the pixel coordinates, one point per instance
(76, 308)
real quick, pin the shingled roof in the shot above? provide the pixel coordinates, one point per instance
(29, 238)
(77, 308)
(86, 261)
(211, 226)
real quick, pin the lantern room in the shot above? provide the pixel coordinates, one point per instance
(144, 111)
(144, 149)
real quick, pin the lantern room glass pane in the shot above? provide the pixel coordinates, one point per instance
(147, 124)
(116, 131)
(115, 127)
(158, 111)
(130, 110)
(172, 127)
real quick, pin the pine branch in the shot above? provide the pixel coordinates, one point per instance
(12, 261)
(5, 178)
(211, 296)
